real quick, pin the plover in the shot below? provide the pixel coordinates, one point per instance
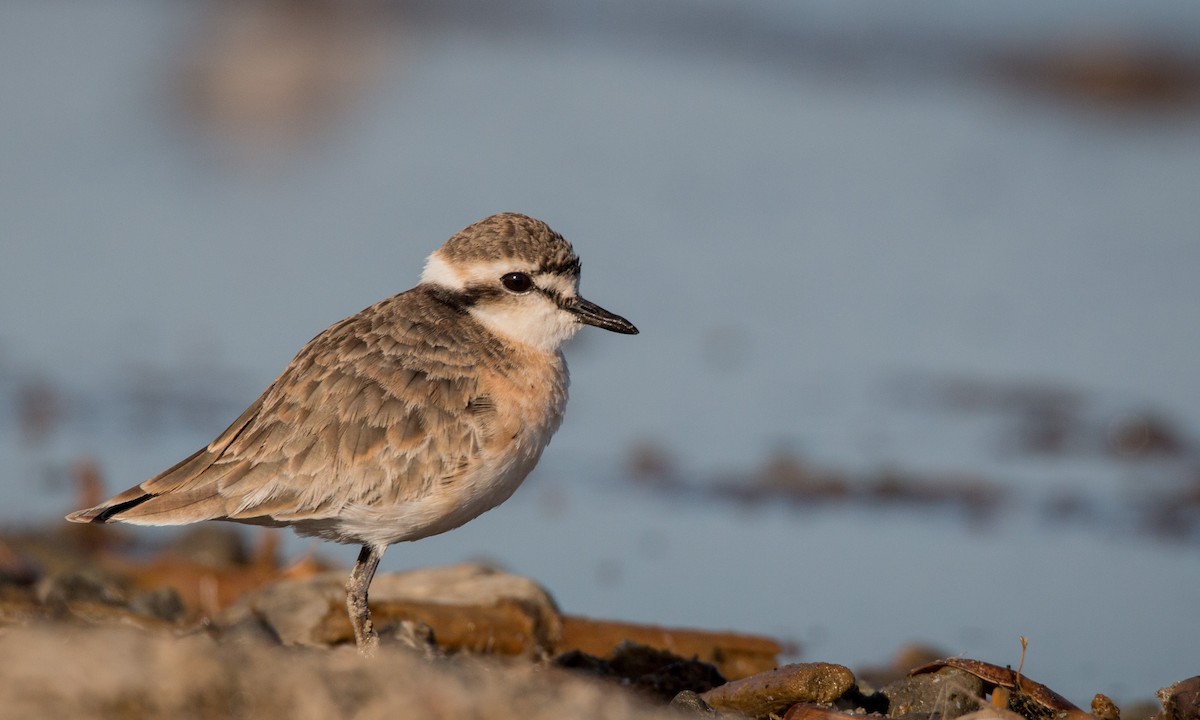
(406, 420)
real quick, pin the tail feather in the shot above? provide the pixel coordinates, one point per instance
(178, 508)
(104, 513)
(152, 502)
(183, 493)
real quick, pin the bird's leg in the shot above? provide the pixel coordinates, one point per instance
(356, 599)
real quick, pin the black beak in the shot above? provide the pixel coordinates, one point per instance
(590, 313)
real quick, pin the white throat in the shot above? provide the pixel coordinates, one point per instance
(542, 325)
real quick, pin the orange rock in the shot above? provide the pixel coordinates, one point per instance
(735, 655)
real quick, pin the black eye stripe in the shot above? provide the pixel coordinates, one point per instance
(472, 295)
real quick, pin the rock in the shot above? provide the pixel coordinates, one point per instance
(808, 711)
(468, 607)
(949, 693)
(689, 703)
(1103, 708)
(472, 584)
(734, 655)
(163, 603)
(777, 690)
(462, 584)
(293, 610)
(248, 629)
(857, 702)
(1181, 701)
(62, 589)
(98, 595)
(988, 712)
(412, 635)
(1027, 697)
(905, 659)
(107, 614)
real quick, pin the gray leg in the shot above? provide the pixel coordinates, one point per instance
(356, 599)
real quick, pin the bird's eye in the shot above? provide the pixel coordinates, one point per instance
(518, 282)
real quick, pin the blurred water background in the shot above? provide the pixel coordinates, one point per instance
(917, 286)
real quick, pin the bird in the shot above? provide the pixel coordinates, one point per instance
(403, 421)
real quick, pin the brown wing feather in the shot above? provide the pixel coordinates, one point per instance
(370, 410)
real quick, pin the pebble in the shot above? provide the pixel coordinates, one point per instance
(1180, 701)
(775, 691)
(1103, 708)
(163, 603)
(690, 703)
(62, 589)
(949, 693)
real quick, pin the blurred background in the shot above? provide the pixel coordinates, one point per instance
(917, 286)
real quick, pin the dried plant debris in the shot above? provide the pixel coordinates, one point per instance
(1030, 699)
(648, 671)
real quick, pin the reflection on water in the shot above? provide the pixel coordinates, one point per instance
(267, 76)
(1053, 430)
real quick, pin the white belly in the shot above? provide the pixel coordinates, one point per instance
(492, 481)
(466, 499)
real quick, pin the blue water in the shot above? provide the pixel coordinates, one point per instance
(803, 208)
